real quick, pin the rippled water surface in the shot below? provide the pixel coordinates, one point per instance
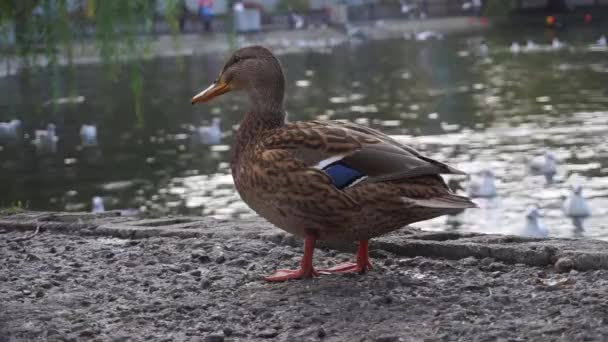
(474, 112)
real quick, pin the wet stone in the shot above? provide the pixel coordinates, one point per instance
(267, 333)
(563, 265)
(215, 337)
(220, 259)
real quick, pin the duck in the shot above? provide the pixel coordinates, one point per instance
(515, 48)
(88, 135)
(483, 186)
(9, 131)
(576, 207)
(534, 226)
(46, 139)
(323, 180)
(207, 135)
(545, 165)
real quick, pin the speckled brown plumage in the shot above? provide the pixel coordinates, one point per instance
(280, 168)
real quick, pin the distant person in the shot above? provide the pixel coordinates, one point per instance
(477, 5)
(424, 9)
(295, 21)
(407, 9)
(205, 9)
(182, 13)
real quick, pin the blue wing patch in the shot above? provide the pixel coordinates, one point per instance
(342, 175)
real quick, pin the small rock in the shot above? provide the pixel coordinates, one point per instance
(564, 265)
(469, 261)
(267, 333)
(380, 300)
(87, 333)
(175, 268)
(53, 250)
(196, 273)
(227, 331)
(486, 261)
(39, 294)
(220, 259)
(321, 332)
(215, 337)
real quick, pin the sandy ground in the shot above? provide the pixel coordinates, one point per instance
(75, 287)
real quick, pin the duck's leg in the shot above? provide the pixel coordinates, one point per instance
(363, 265)
(306, 270)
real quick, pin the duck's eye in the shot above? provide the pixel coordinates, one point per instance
(237, 59)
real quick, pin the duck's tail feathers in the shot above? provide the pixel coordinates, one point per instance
(448, 201)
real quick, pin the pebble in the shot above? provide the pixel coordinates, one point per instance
(215, 337)
(267, 333)
(469, 261)
(379, 300)
(220, 259)
(564, 265)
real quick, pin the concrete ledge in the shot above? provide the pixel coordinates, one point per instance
(408, 242)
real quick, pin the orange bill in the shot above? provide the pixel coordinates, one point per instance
(216, 89)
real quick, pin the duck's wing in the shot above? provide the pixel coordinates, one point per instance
(353, 149)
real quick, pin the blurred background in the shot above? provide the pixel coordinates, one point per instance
(95, 100)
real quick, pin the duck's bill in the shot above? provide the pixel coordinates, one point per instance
(214, 90)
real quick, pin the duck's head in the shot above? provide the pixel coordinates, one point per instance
(577, 189)
(253, 69)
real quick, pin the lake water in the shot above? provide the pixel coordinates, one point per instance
(439, 96)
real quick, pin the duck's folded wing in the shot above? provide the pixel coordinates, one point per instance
(348, 151)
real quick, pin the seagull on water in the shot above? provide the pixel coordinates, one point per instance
(88, 135)
(482, 186)
(576, 207)
(46, 139)
(544, 165)
(207, 135)
(534, 226)
(9, 131)
(515, 48)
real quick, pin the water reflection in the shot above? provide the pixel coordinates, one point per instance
(494, 112)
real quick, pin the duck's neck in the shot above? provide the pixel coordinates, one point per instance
(265, 113)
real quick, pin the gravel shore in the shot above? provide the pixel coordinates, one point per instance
(76, 281)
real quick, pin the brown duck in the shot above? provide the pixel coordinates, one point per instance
(324, 180)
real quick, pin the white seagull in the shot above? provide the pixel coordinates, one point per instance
(9, 131)
(88, 135)
(46, 140)
(515, 48)
(482, 186)
(97, 205)
(544, 165)
(534, 226)
(207, 135)
(576, 207)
